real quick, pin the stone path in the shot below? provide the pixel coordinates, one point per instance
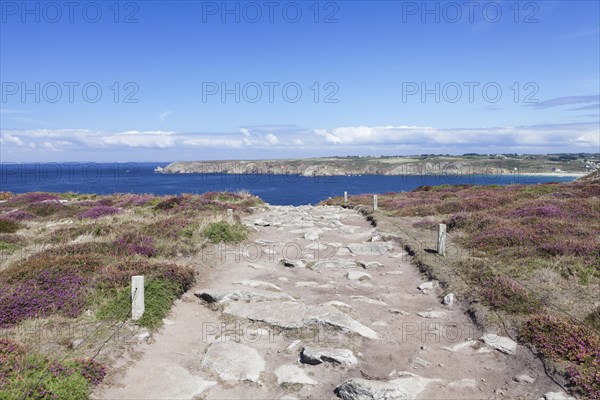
(317, 306)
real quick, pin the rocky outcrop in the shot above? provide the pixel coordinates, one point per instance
(317, 355)
(234, 362)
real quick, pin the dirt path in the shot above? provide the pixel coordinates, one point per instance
(350, 300)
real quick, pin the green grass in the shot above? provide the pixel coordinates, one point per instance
(34, 376)
(8, 247)
(8, 226)
(159, 294)
(218, 232)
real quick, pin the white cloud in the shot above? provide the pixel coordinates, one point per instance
(159, 140)
(272, 139)
(546, 135)
(8, 138)
(163, 116)
(245, 132)
(359, 140)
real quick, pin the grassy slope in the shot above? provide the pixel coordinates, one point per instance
(66, 263)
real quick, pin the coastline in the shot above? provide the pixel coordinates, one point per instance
(557, 174)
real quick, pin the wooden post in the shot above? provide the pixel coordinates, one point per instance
(137, 297)
(230, 216)
(441, 243)
(374, 202)
(345, 197)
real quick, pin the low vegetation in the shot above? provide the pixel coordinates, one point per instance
(218, 232)
(70, 258)
(30, 375)
(532, 253)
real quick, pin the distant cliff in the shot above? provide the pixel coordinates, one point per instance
(348, 166)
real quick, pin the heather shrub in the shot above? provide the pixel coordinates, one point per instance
(504, 293)
(135, 200)
(586, 376)
(54, 262)
(120, 274)
(561, 339)
(218, 232)
(168, 228)
(45, 209)
(425, 224)
(449, 207)
(32, 198)
(47, 293)
(18, 215)
(99, 211)
(544, 211)
(106, 202)
(34, 376)
(501, 236)
(91, 370)
(456, 221)
(169, 203)
(9, 226)
(136, 244)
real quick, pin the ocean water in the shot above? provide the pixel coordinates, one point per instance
(110, 178)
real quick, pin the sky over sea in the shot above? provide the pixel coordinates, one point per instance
(194, 80)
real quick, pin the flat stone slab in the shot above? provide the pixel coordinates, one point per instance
(362, 389)
(336, 303)
(311, 236)
(428, 285)
(317, 355)
(503, 344)
(291, 315)
(358, 276)
(557, 396)
(234, 362)
(284, 314)
(370, 264)
(432, 314)
(344, 264)
(260, 285)
(293, 263)
(370, 248)
(317, 246)
(293, 374)
(524, 378)
(240, 294)
(368, 300)
(459, 346)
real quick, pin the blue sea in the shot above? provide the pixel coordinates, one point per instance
(107, 178)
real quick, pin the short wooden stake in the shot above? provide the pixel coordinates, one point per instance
(441, 242)
(374, 202)
(137, 297)
(230, 216)
(345, 197)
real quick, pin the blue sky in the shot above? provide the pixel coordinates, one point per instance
(376, 78)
